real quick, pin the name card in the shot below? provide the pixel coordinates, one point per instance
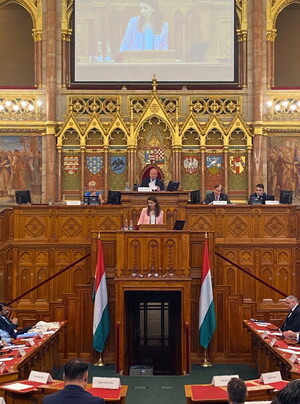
(40, 335)
(21, 352)
(294, 358)
(73, 203)
(144, 189)
(40, 377)
(273, 342)
(30, 342)
(270, 377)
(219, 381)
(219, 203)
(265, 334)
(3, 368)
(106, 383)
(272, 202)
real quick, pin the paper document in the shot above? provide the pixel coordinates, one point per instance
(18, 386)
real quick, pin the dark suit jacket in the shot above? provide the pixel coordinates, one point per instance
(262, 198)
(11, 328)
(72, 394)
(8, 326)
(158, 182)
(211, 197)
(292, 322)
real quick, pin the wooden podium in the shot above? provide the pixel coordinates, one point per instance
(152, 266)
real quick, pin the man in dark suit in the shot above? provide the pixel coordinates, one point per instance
(75, 378)
(237, 391)
(292, 321)
(153, 182)
(259, 193)
(216, 195)
(10, 325)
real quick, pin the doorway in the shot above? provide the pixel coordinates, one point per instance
(154, 330)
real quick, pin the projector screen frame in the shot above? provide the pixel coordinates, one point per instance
(146, 84)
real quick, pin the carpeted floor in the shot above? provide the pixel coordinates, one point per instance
(167, 389)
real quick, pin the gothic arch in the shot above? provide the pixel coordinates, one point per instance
(32, 7)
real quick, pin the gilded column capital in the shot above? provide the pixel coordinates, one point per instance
(271, 35)
(37, 35)
(66, 35)
(241, 35)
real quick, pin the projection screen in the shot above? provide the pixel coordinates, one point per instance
(181, 41)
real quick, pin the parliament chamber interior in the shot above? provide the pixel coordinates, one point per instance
(208, 96)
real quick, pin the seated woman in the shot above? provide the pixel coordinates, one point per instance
(92, 192)
(152, 214)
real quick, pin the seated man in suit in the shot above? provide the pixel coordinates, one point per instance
(290, 394)
(75, 379)
(153, 182)
(216, 195)
(259, 193)
(292, 321)
(10, 325)
(237, 391)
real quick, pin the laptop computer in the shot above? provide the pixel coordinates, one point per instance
(91, 200)
(179, 225)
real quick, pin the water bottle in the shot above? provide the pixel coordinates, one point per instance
(131, 225)
(99, 57)
(126, 225)
(108, 52)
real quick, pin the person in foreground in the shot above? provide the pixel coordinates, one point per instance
(216, 195)
(75, 379)
(290, 394)
(10, 325)
(259, 193)
(292, 321)
(153, 182)
(93, 192)
(237, 391)
(152, 214)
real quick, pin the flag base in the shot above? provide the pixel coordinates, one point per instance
(100, 361)
(206, 363)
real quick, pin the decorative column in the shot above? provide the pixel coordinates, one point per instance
(259, 162)
(38, 57)
(271, 36)
(50, 89)
(243, 60)
(131, 153)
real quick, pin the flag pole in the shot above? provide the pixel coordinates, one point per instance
(205, 363)
(100, 361)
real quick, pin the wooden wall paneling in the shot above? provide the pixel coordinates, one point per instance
(219, 344)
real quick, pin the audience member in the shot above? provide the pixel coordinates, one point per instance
(216, 195)
(290, 394)
(75, 379)
(10, 325)
(292, 321)
(152, 214)
(153, 181)
(237, 391)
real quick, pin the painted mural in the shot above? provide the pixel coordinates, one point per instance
(20, 167)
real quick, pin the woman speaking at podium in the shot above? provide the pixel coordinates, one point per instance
(147, 31)
(152, 214)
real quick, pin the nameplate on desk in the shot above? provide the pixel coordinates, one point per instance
(219, 381)
(145, 189)
(40, 335)
(265, 334)
(112, 383)
(3, 368)
(270, 377)
(273, 342)
(40, 377)
(294, 358)
(30, 342)
(272, 202)
(73, 203)
(21, 352)
(219, 203)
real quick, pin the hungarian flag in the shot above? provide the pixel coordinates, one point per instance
(101, 315)
(207, 315)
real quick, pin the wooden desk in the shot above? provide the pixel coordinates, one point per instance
(36, 395)
(212, 394)
(43, 357)
(269, 358)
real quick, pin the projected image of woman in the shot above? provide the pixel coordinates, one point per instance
(147, 31)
